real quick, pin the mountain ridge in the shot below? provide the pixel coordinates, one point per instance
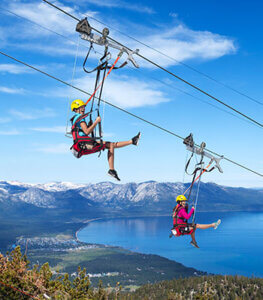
(150, 196)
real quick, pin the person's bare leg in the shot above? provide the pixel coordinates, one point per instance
(205, 226)
(122, 144)
(111, 156)
(193, 236)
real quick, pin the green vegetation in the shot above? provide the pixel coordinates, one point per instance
(112, 264)
(17, 281)
(201, 288)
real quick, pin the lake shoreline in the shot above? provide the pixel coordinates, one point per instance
(230, 250)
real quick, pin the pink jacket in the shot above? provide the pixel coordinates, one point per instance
(183, 214)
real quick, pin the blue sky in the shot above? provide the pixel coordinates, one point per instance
(218, 39)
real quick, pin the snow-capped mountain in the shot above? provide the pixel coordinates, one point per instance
(145, 197)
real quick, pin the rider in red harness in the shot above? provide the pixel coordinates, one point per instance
(84, 143)
(180, 221)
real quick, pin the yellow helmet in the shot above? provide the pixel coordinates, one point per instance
(181, 198)
(77, 104)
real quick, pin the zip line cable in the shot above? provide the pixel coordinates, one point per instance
(165, 70)
(138, 70)
(178, 61)
(125, 111)
(199, 99)
(41, 26)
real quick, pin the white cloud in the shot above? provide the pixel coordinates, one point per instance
(14, 69)
(127, 92)
(9, 132)
(177, 41)
(55, 129)
(61, 148)
(122, 4)
(8, 90)
(45, 15)
(33, 114)
(36, 38)
(183, 44)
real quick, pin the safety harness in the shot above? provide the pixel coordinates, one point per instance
(83, 145)
(181, 228)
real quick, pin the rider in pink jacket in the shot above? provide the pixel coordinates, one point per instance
(182, 214)
(181, 217)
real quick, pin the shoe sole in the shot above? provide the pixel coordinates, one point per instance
(194, 246)
(138, 139)
(217, 224)
(113, 177)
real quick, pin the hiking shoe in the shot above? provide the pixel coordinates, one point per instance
(217, 223)
(194, 244)
(135, 140)
(114, 174)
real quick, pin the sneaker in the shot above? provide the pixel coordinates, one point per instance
(194, 244)
(217, 223)
(135, 140)
(114, 174)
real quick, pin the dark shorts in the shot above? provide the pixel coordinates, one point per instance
(91, 147)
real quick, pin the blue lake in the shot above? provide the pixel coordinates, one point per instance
(234, 248)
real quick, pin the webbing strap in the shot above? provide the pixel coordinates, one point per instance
(176, 215)
(119, 56)
(197, 195)
(202, 172)
(79, 119)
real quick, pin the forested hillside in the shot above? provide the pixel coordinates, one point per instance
(17, 280)
(206, 287)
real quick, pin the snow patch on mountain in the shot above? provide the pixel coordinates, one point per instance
(104, 196)
(17, 183)
(38, 197)
(59, 186)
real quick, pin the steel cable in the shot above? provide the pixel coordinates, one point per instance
(164, 69)
(123, 110)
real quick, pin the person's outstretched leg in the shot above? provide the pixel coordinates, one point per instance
(122, 144)
(111, 146)
(206, 226)
(133, 141)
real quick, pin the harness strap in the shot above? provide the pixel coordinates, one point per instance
(176, 212)
(75, 130)
(118, 57)
(78, 119)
